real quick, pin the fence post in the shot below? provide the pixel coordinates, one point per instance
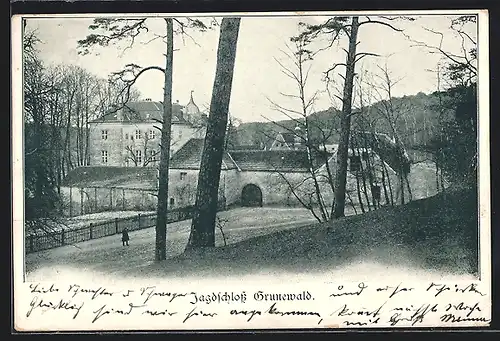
(81, 201)
(111, 198)
(70, 201)
(139, 221)
(91, 231)
(96, 208)
(123, 199)
(116, 225)
(63, 235)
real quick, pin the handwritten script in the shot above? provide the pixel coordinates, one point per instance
(340, 305)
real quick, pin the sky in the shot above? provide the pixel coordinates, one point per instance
(258, 78)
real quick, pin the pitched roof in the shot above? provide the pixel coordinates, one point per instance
(289, 138)
(393, 155)
(189, 156)
(277, 160)
(142, 111)
(106, 176)
(247, 147)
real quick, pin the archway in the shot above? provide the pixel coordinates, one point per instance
(251, 196)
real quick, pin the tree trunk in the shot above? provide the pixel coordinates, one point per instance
(203, 223)
(162, 209)
(345, 124)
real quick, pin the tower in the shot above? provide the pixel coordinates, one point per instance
(192, 110)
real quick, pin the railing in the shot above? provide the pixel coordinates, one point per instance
(39, 242)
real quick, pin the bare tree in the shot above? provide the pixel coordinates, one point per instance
(454, 139)
(128, 30)
(391, 113)
(144, 154)
(203, 222)
(298, 73)
(42, 117)
(462, 63)
(334, 28)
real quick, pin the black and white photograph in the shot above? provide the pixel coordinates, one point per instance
(251, 170)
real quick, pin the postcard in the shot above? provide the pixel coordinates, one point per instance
(237, 171)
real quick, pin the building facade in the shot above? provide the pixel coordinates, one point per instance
(131, 136)
(250, 177)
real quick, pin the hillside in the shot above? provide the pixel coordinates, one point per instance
(439, 233)
(417, 116)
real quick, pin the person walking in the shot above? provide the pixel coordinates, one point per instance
(125, 237)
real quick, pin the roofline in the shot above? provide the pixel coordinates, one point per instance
(287, 170)
(238, 167)
(195, 168)
(139, 121)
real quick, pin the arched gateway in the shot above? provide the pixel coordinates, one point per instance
(251, 196)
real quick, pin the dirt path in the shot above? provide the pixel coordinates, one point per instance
(108, 255)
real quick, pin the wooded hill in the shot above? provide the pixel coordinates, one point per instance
(416, 119)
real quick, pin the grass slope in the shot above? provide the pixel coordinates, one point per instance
(438, 233)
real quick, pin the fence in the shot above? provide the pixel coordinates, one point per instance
(88, 200)
(52, 240)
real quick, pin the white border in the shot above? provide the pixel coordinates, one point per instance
(483, 121)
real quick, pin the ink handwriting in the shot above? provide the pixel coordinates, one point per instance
(361, 287)
(273, 310)
(200, 313)
(37, 302)
(395, 305)
(100, 291)
(417, 317)
(104, 310)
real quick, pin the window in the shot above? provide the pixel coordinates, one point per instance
(152, 155)
(137, 134)
(138, 156)
(104, 134)
(104, 156)
(355, 163)
(183, 175)
(126, 136)
(180, 134)
(172, 201)
(152, 134)
(127, 162)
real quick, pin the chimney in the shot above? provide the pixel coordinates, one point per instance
(298, 136)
